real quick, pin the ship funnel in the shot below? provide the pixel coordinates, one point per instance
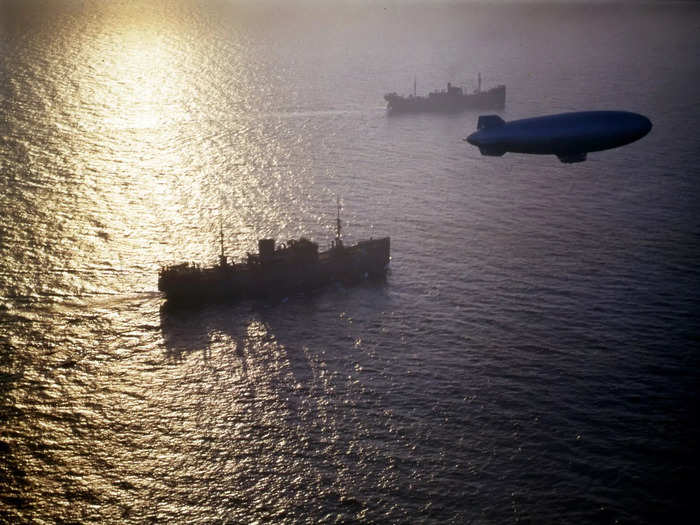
(266, 248)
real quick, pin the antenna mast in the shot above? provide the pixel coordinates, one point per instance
(338, 242)
(222, 257)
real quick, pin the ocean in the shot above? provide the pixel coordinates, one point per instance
(532, 355)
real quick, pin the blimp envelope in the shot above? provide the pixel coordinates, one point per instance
(569, 136)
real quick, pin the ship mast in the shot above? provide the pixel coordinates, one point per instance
(414, 86)
(222, 257)
(338, 242)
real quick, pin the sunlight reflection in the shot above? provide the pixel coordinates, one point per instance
(138, 82)
(129, 104)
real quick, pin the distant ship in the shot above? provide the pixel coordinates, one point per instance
(452, 100)
(275, 270)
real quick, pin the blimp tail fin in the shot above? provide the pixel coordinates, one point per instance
(489, 121)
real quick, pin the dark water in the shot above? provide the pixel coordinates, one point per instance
(532, 355)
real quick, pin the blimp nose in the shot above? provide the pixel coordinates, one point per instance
(638, 125)
(644, 125)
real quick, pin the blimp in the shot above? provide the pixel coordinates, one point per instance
(569, 136)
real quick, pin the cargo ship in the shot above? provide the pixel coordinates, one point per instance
(451, 100)
(276, 270)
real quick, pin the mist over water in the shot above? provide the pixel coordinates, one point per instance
(531, 356)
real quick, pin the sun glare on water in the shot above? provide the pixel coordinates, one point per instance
(136, 83)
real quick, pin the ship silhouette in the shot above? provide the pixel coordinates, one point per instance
(451, 100)
(276, 270)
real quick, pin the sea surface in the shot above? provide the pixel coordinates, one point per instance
(532, 356)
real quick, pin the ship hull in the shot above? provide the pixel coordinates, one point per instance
(235, 282)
